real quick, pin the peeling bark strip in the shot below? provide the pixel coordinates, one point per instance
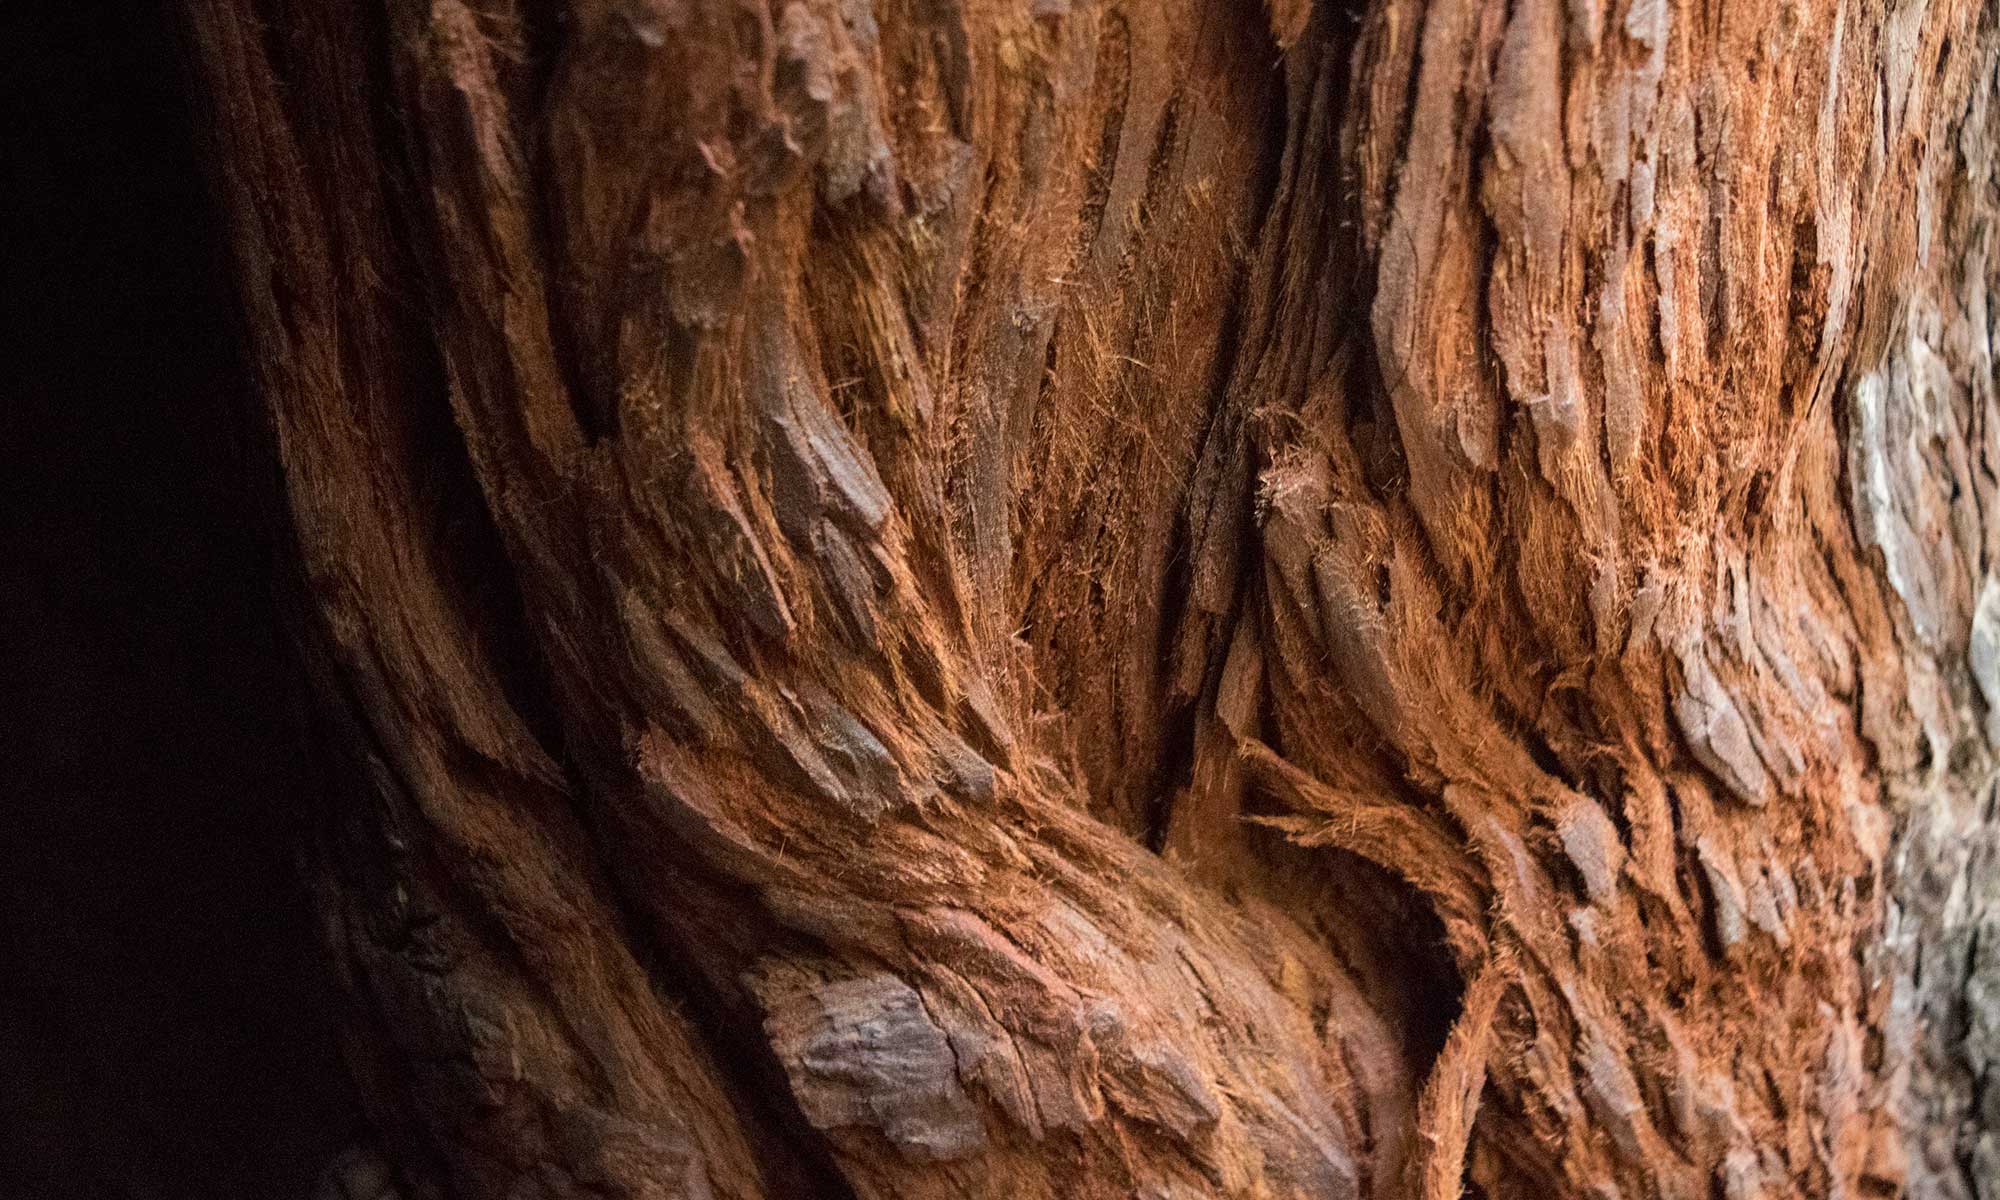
(792, 498)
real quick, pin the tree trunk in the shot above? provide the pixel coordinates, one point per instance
(1076, 598)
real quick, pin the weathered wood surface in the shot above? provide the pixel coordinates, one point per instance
(1107, 599)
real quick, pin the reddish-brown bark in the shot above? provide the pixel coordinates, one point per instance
(1087, 599)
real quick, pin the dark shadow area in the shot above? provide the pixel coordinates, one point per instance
(164, 1030)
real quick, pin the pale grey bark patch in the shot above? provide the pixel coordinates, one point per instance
(1715, 729)
(863, 1052)
(1907, 456)
(1945, 934)
(1984, 655)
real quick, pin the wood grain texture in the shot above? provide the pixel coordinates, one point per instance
(1091, 599)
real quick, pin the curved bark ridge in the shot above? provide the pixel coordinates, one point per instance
(1513, 478)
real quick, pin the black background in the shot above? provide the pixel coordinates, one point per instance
(163, 1028)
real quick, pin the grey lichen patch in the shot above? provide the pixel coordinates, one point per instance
(862, 1052)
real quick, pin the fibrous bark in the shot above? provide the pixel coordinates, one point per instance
(1093, 599)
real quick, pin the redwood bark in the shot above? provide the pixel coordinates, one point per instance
(1087, 599)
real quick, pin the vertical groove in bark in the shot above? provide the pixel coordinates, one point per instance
(1572, 443)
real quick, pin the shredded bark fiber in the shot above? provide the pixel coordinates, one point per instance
(1065, 599)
